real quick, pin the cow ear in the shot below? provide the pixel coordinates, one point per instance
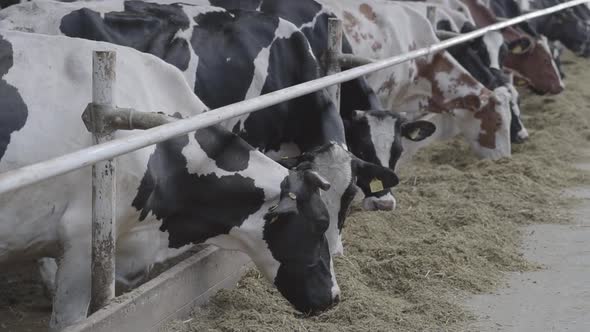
(520, 46)
(417, 130)
(382, 177)
(286, 206)
(316, 180)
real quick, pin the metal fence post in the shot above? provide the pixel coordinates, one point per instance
(333, 57)
(431, 15)
(103, 186)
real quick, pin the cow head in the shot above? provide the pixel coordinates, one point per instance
(212, 187)
(376, 138)
(487, 130)
(570, 30)
(342, 170)
(294, 231)
(533, 59)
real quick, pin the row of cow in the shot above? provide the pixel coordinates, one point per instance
(276, 184)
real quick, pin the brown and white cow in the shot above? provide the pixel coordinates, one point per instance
(529, 56)
(435, 84)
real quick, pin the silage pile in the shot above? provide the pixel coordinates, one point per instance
(455, 231)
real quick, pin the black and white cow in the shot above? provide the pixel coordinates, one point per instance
(566, 26)
(205, 187)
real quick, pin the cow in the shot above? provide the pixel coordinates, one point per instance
(528, 56)
(432, 84)
(569, 26)
(209, 186)
(259, 58)
(481, 57)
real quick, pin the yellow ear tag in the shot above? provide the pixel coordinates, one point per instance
(293, 196)
(415, 133)
(517, 50)
(520, 82)
(376, 185)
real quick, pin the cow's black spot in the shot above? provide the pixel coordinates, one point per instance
(6, 3)
(237, 4)
(475, 58)
(308, 121)
(13, 110)
(194, 207)
(227, 44)
(146, 27)
(230, 152)
(345, 205)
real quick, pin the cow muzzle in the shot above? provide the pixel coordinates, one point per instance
(383, 203)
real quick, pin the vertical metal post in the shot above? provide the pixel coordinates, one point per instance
(333, 54)
(431, 15)
(103, 186)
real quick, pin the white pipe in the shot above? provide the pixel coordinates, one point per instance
(27, 175)
(334, 51)
(351, 60)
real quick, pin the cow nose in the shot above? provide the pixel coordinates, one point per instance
(518, 140)
(522, 136)
(556, 89)
(336, 299)
(385, 204)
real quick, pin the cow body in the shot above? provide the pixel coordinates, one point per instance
(169, 195)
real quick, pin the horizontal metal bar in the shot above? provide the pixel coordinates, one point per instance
(444, 35)
(27, 175)
(351, 60)
(116, 118)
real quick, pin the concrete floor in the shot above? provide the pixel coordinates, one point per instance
(556, 298)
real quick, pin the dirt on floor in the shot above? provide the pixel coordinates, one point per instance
(24, 305)
(455, 231)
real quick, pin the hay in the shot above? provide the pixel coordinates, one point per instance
(455, 232)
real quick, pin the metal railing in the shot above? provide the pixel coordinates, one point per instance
(166, 128)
